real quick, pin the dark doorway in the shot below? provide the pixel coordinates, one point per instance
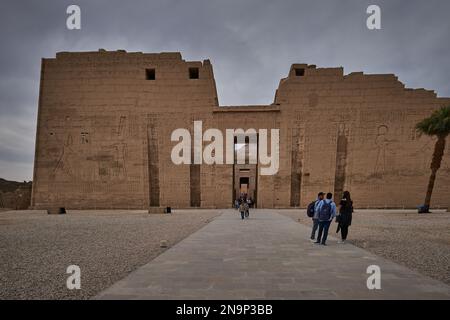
(244, 184)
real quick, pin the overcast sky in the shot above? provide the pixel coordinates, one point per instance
(251, 44)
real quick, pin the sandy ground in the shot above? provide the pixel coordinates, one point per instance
(419, 242)
(36, 248)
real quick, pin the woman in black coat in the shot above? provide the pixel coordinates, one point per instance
(345, 215)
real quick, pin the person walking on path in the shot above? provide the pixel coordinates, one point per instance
(315, 217)
(327, 211)
(344, 218)
(247, 209)
(243, 208)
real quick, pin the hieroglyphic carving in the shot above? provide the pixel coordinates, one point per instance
(383, 116)
(112, 161)
(84, 137)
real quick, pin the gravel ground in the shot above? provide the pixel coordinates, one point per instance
(36, 248)
(419, 242)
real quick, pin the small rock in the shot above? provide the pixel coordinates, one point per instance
(163, 243)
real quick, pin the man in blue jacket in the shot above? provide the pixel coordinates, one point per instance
(326, 210)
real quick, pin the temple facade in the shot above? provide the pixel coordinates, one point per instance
(106, 118)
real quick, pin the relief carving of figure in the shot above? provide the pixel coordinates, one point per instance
(382, 143)
(63, 162)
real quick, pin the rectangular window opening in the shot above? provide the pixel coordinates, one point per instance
(150, 74)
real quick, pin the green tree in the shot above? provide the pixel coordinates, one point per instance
(438, 125)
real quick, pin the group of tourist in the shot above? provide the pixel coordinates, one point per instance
(323, 210)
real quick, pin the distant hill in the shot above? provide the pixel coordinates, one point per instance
(15, 195)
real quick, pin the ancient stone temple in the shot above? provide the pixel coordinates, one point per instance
(105, 124)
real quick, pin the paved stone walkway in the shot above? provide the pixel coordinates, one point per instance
(268, 256)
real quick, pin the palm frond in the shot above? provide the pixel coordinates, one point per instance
(438, 124)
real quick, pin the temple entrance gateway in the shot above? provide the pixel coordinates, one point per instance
(245, 176)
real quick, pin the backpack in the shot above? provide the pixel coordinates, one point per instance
(325, 211)
(310, 209)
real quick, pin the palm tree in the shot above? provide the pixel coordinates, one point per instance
(438, 125)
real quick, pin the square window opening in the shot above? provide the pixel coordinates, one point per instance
(299, 72)
(193, 73)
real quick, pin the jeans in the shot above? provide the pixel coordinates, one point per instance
(314, 228)
(242, 215)
(323, 228)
